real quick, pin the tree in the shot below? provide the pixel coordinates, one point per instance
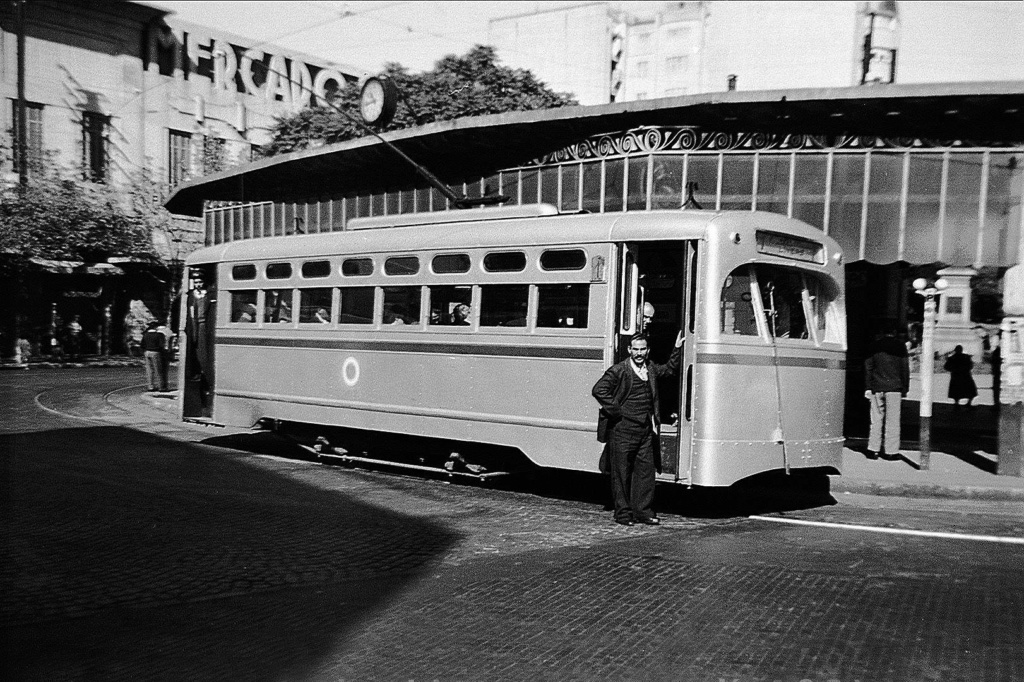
(474, 84)
(60, 218)
(57, 216)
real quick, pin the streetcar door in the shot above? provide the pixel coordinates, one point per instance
(630, 300)
(661, 274)
(199, 318)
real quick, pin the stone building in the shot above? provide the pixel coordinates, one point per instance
(115, 91)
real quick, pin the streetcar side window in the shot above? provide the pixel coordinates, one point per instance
(563, 305)
(563, 259)
(450, 263)
(316, 269)
(243, 306)
(243, 272)
(451, 305)
(356, 305)
(277, 305)
(401, 305)
(279, 270)
(315, 306)
(505, 261)
(504, 305)
(357, 267)
(402, 265)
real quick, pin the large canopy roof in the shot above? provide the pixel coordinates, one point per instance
(989, 112)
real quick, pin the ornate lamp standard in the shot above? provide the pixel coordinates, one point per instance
(930, 291)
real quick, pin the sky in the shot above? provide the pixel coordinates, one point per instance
(941, 40)
(364, 35)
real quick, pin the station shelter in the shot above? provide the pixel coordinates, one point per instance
(911, 180)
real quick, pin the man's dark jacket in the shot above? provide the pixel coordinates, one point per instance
(613, 387)
(887, 367)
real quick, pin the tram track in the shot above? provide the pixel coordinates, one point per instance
(54, 398)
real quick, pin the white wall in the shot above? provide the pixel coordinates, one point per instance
(960, 41)
(569, 49)
(778, 45)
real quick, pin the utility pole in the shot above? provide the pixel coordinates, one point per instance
(22, 142)
(930, 291)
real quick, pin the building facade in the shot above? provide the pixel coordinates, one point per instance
(683, 48)
(115, 88)
(119, 93)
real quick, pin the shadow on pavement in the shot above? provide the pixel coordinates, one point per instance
(768, 492)
(128, 556)
(971, 434)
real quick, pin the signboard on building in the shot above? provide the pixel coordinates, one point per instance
(236, 68)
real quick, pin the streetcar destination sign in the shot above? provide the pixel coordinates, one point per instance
(785, 246)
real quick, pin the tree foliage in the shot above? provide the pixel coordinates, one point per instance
(473, 84)
(57, 217)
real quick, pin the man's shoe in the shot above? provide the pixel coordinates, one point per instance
(871, 454)
(624, 522)
(648, 520)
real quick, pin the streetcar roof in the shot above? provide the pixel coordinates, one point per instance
(543, 229)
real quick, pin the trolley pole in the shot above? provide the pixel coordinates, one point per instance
(930, 291)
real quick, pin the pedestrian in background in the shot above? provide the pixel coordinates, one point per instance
(154, 346)
(74, 337)
(961, 383)
(628, 423)
(887, 380)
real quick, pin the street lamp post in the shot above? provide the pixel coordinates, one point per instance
(930, 291)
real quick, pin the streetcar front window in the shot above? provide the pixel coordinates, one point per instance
(737, 304)
(781, 303)
(782, 298)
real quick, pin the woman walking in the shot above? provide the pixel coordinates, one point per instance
(961, 383)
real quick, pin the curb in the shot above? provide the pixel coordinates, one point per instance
(169, 403)
(841, 484)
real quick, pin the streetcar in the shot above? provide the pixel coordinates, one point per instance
(486, 329)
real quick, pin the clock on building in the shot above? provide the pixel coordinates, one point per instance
(378, 101)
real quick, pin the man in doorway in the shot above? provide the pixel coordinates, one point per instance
(648, 315)
(197, 332)
(628, 422)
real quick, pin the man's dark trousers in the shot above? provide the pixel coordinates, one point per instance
(631, 467)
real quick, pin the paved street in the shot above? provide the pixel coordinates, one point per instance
(137, 548)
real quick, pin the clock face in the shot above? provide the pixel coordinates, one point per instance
(371, 101)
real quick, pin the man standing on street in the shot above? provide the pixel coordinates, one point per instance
(154, 345)
(628, 422)
(887, 380)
